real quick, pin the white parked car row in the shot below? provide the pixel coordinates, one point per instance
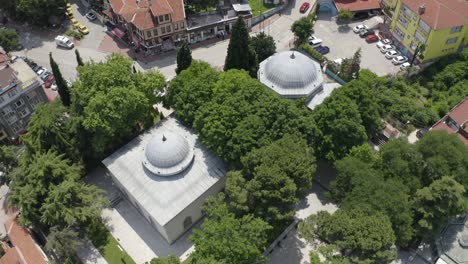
(391, 53)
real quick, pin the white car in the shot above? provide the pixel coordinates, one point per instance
(41, 71)
(386, 48)
(90, 16)
(339, 61)
(314, 41)
(383, 42)
(358, 28)
(405, 65)
(399, 60)
(392, 54)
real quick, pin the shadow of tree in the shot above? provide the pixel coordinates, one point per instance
(98, 234)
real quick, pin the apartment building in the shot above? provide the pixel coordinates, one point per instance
(149, 24)
(20, 91)
(441, 25)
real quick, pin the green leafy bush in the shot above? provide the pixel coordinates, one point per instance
(73, 33)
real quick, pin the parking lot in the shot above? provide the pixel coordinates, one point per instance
(343, 43)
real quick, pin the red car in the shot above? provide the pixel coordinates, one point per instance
(372, 38)
(304, 7)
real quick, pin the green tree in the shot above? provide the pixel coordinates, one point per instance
(444, 155)
(8, 161)
(240, 55)
(191, 89)
(79, 60)
(340, 125)
(62, 86)
(184, 57)
(263, 45)
(302, 29)
(39, 11)
(237, 191)
(366, 236)
(345, 16)
(9, 40)
(63, 243)
(437, 203)
(224, 238)
(50, 129)
(350, 67)
(170, 259)
(47, 190)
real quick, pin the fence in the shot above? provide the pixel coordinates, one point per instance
(335, 77)
(267, 14)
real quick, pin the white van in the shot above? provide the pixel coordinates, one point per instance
(314, 41)
(65, 42)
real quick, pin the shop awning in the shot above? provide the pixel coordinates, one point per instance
(118, 33)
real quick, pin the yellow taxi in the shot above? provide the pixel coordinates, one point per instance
(74, 23)
(70, 15)
(82, 29)
(69, 10)
(68, 5)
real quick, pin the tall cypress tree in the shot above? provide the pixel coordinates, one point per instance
(184, 58)
(239, 55)
(63, 89)
(79, 60)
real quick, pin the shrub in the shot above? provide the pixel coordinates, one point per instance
(73, 33)
(313, 53)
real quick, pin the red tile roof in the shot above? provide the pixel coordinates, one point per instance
(25, 250)
(357, 5)
(441, 14)
(459, 114)
(141, 13)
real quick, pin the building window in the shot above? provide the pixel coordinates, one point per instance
(403, 21)
(176, 26)
(451, 41)
(12, 92)
(19, 103)
(166, 17)
(148, 34)
(398, 33)
(5, 111)
(163, 30)
(168, 29)
(161, 18)
(456, 29)
(187, 222)
(423, 26)
(155, 31)
(1, 99)
(17, 127)
(23, 112)
(182, 25)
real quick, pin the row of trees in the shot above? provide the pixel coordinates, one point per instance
(397, 196)
(34, 11)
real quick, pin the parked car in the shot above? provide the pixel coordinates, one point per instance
(392, 54)
(40, 70)
(314, 41)
(74, 23)
(338, 61)
(304, 7)
(45, 75)
(322, 49)
(69, 83)
(405, 65)
(421, 132)
(399, 60)
(361, 15)
(83, 30)
(36, 68)
(366, 32)
(383, 42)
(386, 48)
(372, 38)
(358, 28)
(65, 42)
(90, 16)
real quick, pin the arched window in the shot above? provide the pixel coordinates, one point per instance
(187, 222)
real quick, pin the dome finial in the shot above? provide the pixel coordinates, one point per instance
(164, 138)
(292, 55)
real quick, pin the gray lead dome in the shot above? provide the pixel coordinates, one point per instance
(291, 74)
(167, 154)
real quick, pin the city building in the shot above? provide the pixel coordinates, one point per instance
(148, 24)
(292, 75)
(167, 174)
(452, 243)
(20, 247)
(441, 25)
(388, 3)
(456, 121)
(20, 91)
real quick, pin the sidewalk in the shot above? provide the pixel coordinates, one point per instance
(90, 255)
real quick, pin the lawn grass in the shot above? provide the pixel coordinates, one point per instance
(107, 245)
(259, 6)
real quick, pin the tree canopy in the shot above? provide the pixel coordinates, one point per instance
(184, 57)
(62, 87)
(302, 29)
(263, 45)
(224, 238)
(240, 55)
(9, 39)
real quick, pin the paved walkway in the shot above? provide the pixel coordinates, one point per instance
(90, 255)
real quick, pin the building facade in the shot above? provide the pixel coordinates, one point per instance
(440, 25)
(149, 24)
(20, 92)
(456, 121)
